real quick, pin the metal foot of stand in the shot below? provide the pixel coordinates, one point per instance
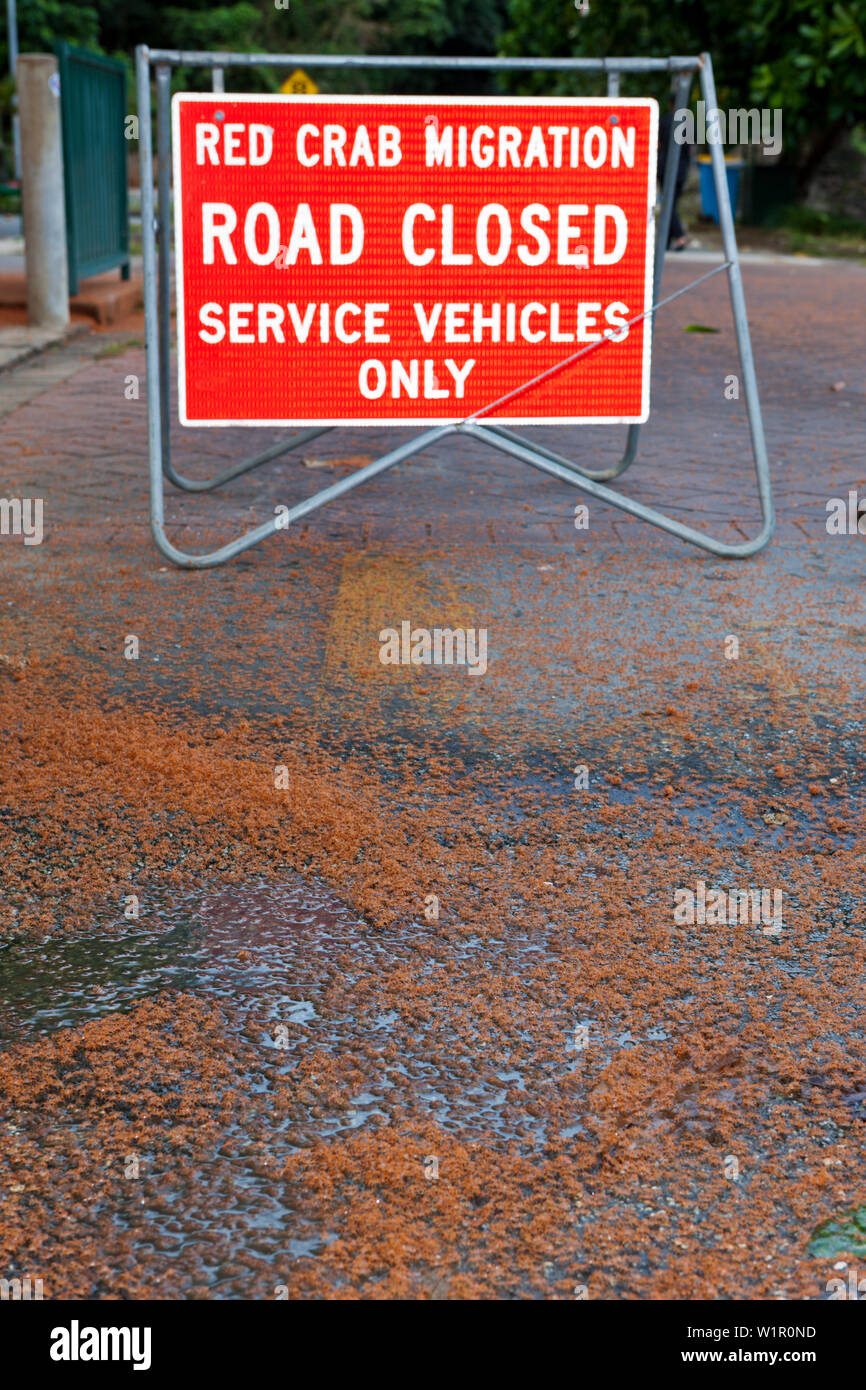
(157, 298)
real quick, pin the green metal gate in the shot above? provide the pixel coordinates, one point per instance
(93, 112)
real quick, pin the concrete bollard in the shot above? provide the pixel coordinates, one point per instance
(42, 201)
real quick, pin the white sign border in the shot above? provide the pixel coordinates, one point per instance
(221, 98)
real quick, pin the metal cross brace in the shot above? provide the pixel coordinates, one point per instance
(157, 304)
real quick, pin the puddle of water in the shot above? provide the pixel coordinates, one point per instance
(295, 970)
(63, 983)
(303, 983)
(298, 977)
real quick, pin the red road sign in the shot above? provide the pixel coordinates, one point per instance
(356, 260)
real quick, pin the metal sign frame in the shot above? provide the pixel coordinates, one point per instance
(157, 240)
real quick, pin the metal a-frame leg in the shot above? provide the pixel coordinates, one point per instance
(528, 453)
(663, 227)
(281, 522)
(537, 456)
(158, 338)
(158, 381)
(163, 231)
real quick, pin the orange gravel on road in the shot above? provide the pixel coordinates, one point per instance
(294, 1072)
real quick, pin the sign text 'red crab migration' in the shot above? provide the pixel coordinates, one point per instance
(359, 260)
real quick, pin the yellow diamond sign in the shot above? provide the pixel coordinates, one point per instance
(299, 84)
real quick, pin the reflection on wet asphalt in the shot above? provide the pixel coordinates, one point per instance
(295, 971)
(302, 983)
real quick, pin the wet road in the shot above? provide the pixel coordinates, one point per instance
(405, 1010)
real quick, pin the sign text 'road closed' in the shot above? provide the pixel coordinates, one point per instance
(354, 260)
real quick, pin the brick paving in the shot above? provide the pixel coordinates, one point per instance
(694, 453)
(606, 648)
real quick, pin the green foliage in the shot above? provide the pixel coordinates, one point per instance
(234, 28)
(42, 22)
(812, 222)
(807, 57)
(416, 27)
(845, 1235)
(819, 81)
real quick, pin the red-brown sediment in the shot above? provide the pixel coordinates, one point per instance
(602, 1167)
